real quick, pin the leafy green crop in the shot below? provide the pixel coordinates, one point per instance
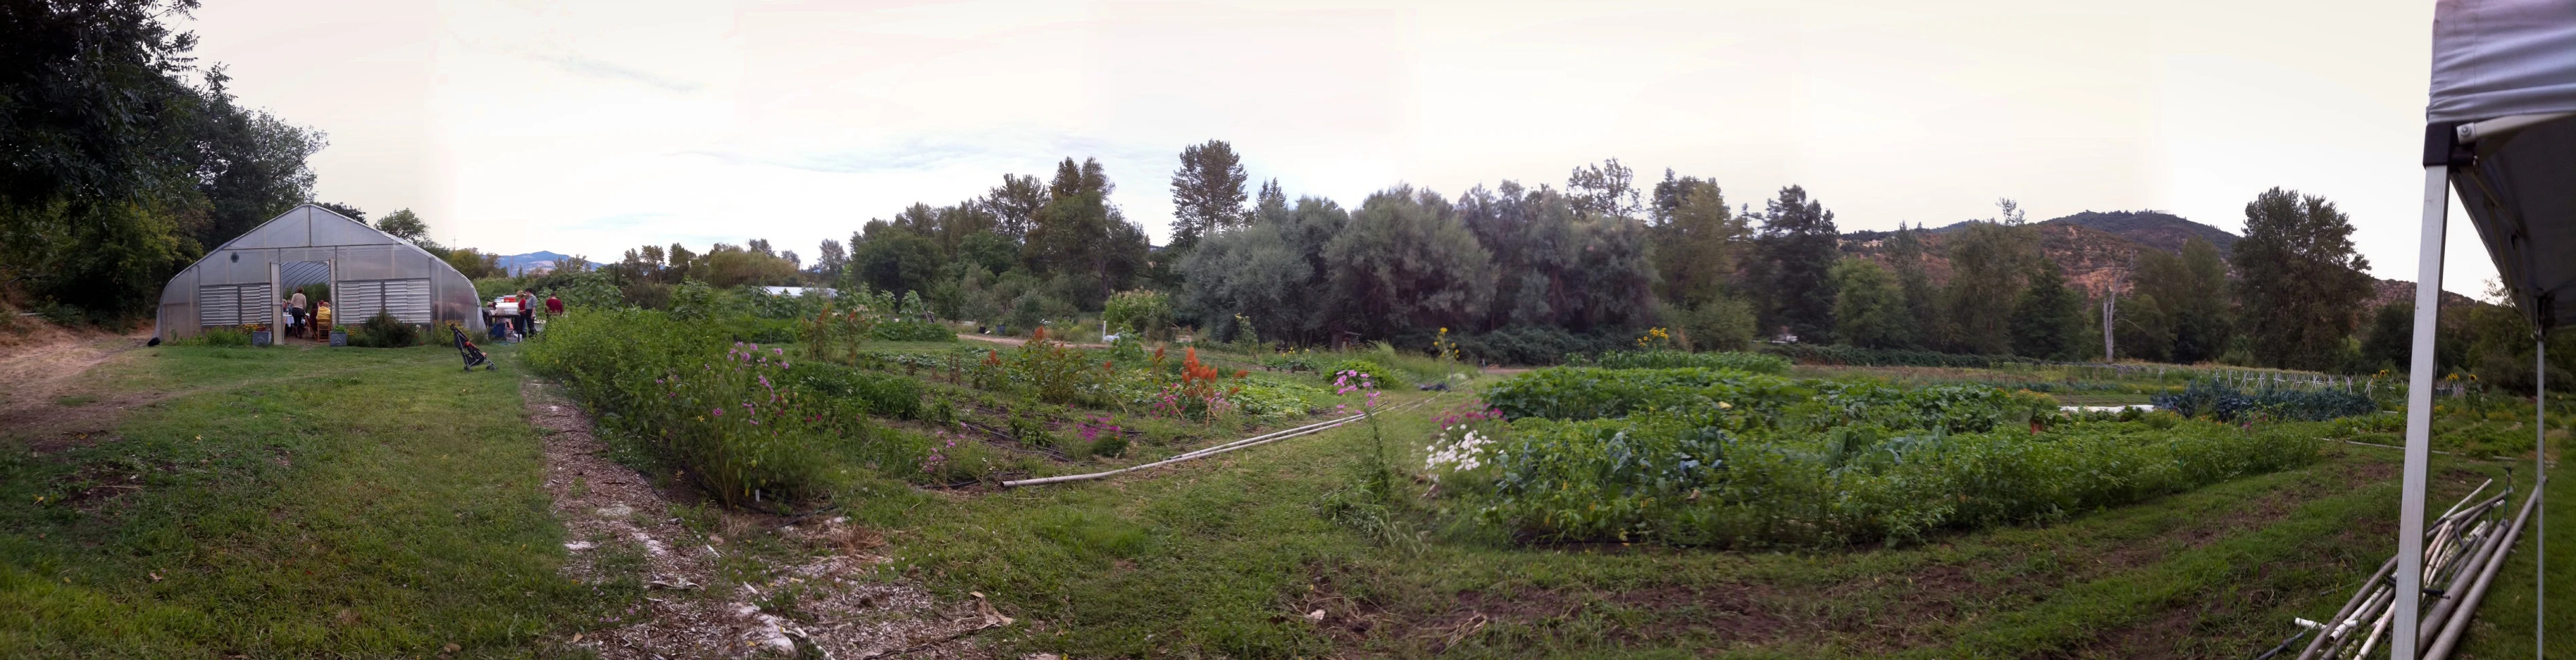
(1688, 480)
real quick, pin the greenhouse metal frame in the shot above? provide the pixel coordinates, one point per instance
(246, 280)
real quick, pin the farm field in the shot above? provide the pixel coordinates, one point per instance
(185, 522)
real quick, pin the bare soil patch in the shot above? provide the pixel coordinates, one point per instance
(41, 399)
(830, 604)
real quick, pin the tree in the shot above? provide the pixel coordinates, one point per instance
(345, 210)
(1272, 201)
(2389, 340)
(1273, 272)
(2141, 328)
(1207, 192)
(1797, 250)
(1869, 309)
(1698, 242)
(1405, 261)
(2047, 317)
(829, 259)
(112, 168)
(1079, 235)
(1605, 189)
(403, 224)
(1555, 266)
(2179, 305)
(1989, 261)
(250, 166)
(897, 262)
(1014, 203)
(474, 264)
(2300, 282)
(1922, 299)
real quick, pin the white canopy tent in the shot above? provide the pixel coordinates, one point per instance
(2501, 127)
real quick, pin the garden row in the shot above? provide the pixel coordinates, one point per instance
(758, 422)
(1732, 458)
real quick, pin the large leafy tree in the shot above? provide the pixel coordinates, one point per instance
(1406, 262)
(1272, 273)
(1989, 262)
(1796, 255)
(1922, 298)
(113, 169)
(1555, 265)
(2047, 317)
(1207, 192)
(1079, 236)
(404, 224)
(1014, 203)
(2299, 281)
(1608, 188)
(250, 165)
(2178, 308)
(1869, 308)
(1698, 241)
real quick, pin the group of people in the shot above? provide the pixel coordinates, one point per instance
(516, 324)
(309, 322)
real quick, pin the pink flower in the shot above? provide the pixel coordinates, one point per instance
(719, 412)
(777, 351)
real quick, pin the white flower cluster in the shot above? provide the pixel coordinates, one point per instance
(1466, 454)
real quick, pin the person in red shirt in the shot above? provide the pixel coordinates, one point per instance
(554, 306)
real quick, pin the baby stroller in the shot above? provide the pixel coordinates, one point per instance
(473, 356)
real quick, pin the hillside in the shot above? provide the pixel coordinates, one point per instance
(538, 259)
(2155, 229)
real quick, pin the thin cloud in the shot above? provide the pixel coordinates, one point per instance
(585, 66)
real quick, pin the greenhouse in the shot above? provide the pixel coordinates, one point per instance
(243, 281)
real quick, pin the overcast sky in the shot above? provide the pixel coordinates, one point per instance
(593, 126)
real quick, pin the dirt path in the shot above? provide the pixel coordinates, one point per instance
(1014, 341)
(44, 365)
(838, 610)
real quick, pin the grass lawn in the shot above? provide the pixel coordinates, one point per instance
(1231, 557)
(287, 502)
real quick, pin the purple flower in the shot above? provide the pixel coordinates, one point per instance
(719, 412)
(777, 351)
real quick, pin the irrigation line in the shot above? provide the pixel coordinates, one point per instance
(1262, 439)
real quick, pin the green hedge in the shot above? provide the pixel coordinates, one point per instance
(913, 330)
(1748, 362)
(1888, 357)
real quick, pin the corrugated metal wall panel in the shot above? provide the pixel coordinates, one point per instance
(409, 300)
(233, 304)
(406, 299)
(218, 304)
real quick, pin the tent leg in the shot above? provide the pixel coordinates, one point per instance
(2540, 497)
(2419, 415)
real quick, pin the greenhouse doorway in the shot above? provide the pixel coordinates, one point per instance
(315, 280)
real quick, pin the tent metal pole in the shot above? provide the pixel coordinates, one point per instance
(2419, 415)
(2540, 493)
